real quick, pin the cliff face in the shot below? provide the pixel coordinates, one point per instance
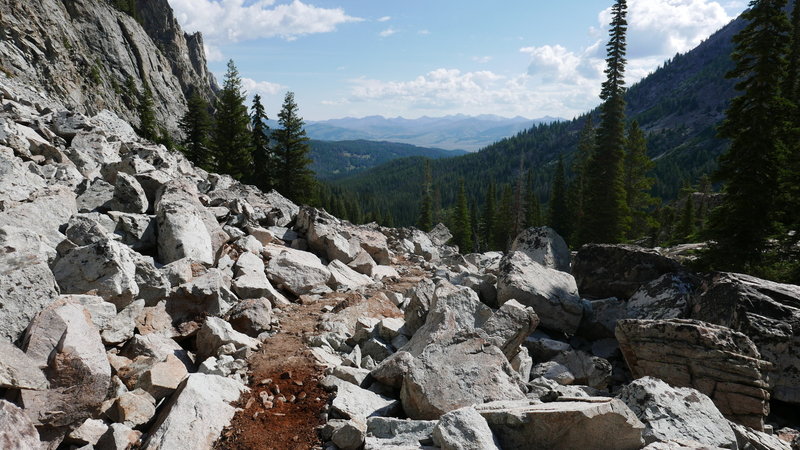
(92, 56)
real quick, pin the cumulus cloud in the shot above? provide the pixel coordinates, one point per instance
(481, 59)
(263, 88)
(666, 27)
(387, 32)
(657, 29)
(229, 21)
(469, 92)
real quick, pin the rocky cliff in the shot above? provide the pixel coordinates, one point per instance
(92, 56)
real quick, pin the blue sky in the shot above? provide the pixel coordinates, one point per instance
(413, 58)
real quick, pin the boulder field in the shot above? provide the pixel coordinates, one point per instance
(146, 303)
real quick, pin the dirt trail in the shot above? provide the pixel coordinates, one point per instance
(286, 360)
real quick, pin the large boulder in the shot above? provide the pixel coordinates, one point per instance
(105, 268)
(440, 235)
(666, 297)
(215, 333)
(616, 270)
(596, 423)
(670, 413)
(325, 235)
(551, 293)
(64, 342)
(482, 372)
(43, 213)
(717, 361)
(354, 402)
(768, 313)
(510, 325)
(27, 284)
(416, 311)
(17, 432)
(297, 271)
(464, 429)
(544, 246)
(389, 432)
(343, 277)
(182, 232)
(129, 196)
(196, 414)
(209, 293)
(18, 370)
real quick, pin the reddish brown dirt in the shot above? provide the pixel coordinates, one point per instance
(286, 360)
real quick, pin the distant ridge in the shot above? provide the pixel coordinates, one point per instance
(454, 132)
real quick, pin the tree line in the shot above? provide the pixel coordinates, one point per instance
(231, 139)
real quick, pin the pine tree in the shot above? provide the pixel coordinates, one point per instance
(578, 191)
(558, 217)
(196, 128)
(263, 158)
(533, 210)
(462, 235)
(504, 222)
(607, 219)
(519, 202)
(147, 116)
(232, 141)
(295, 179)
(637, 184)
(488, 218)
(754, 124)
(686, 224)
(425, 221)
(474, 227)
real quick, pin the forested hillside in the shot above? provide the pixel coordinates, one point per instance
(334, 159)
(679, 107)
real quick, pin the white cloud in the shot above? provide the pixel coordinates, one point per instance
(666, 27)
(657, 29)
(451, 90)
(423, 32)
(385, 19)
(387, 32)
(229, 21)
(481, 59)
(263, 88)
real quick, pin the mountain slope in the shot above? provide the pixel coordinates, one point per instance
(456, 132)
(679, 106)
(334, 159)
(92, 56)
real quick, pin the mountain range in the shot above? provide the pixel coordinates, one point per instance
(455, 132)
(679, 106)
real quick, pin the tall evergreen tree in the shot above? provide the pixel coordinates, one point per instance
(462, 235)
(519, 199)
(533, 210)
(578, 191)
(263, 157)
(475, 227)
(148, 128)
(232, 140)
(686, 224)
(425, 221)
(295, 178)
(558, 217)
(504, 222)
(607, 220)
(488, 219)
(755, 126)
(196, 128)
(637, 184)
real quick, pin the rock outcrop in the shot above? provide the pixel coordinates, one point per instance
(717, 361)
(54, 45)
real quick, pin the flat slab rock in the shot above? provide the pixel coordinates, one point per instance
(717, 361)
(589, 423)
(197, 413)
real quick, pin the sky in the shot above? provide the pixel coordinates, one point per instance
(413, 58)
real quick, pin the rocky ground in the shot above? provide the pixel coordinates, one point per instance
(145, 303)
